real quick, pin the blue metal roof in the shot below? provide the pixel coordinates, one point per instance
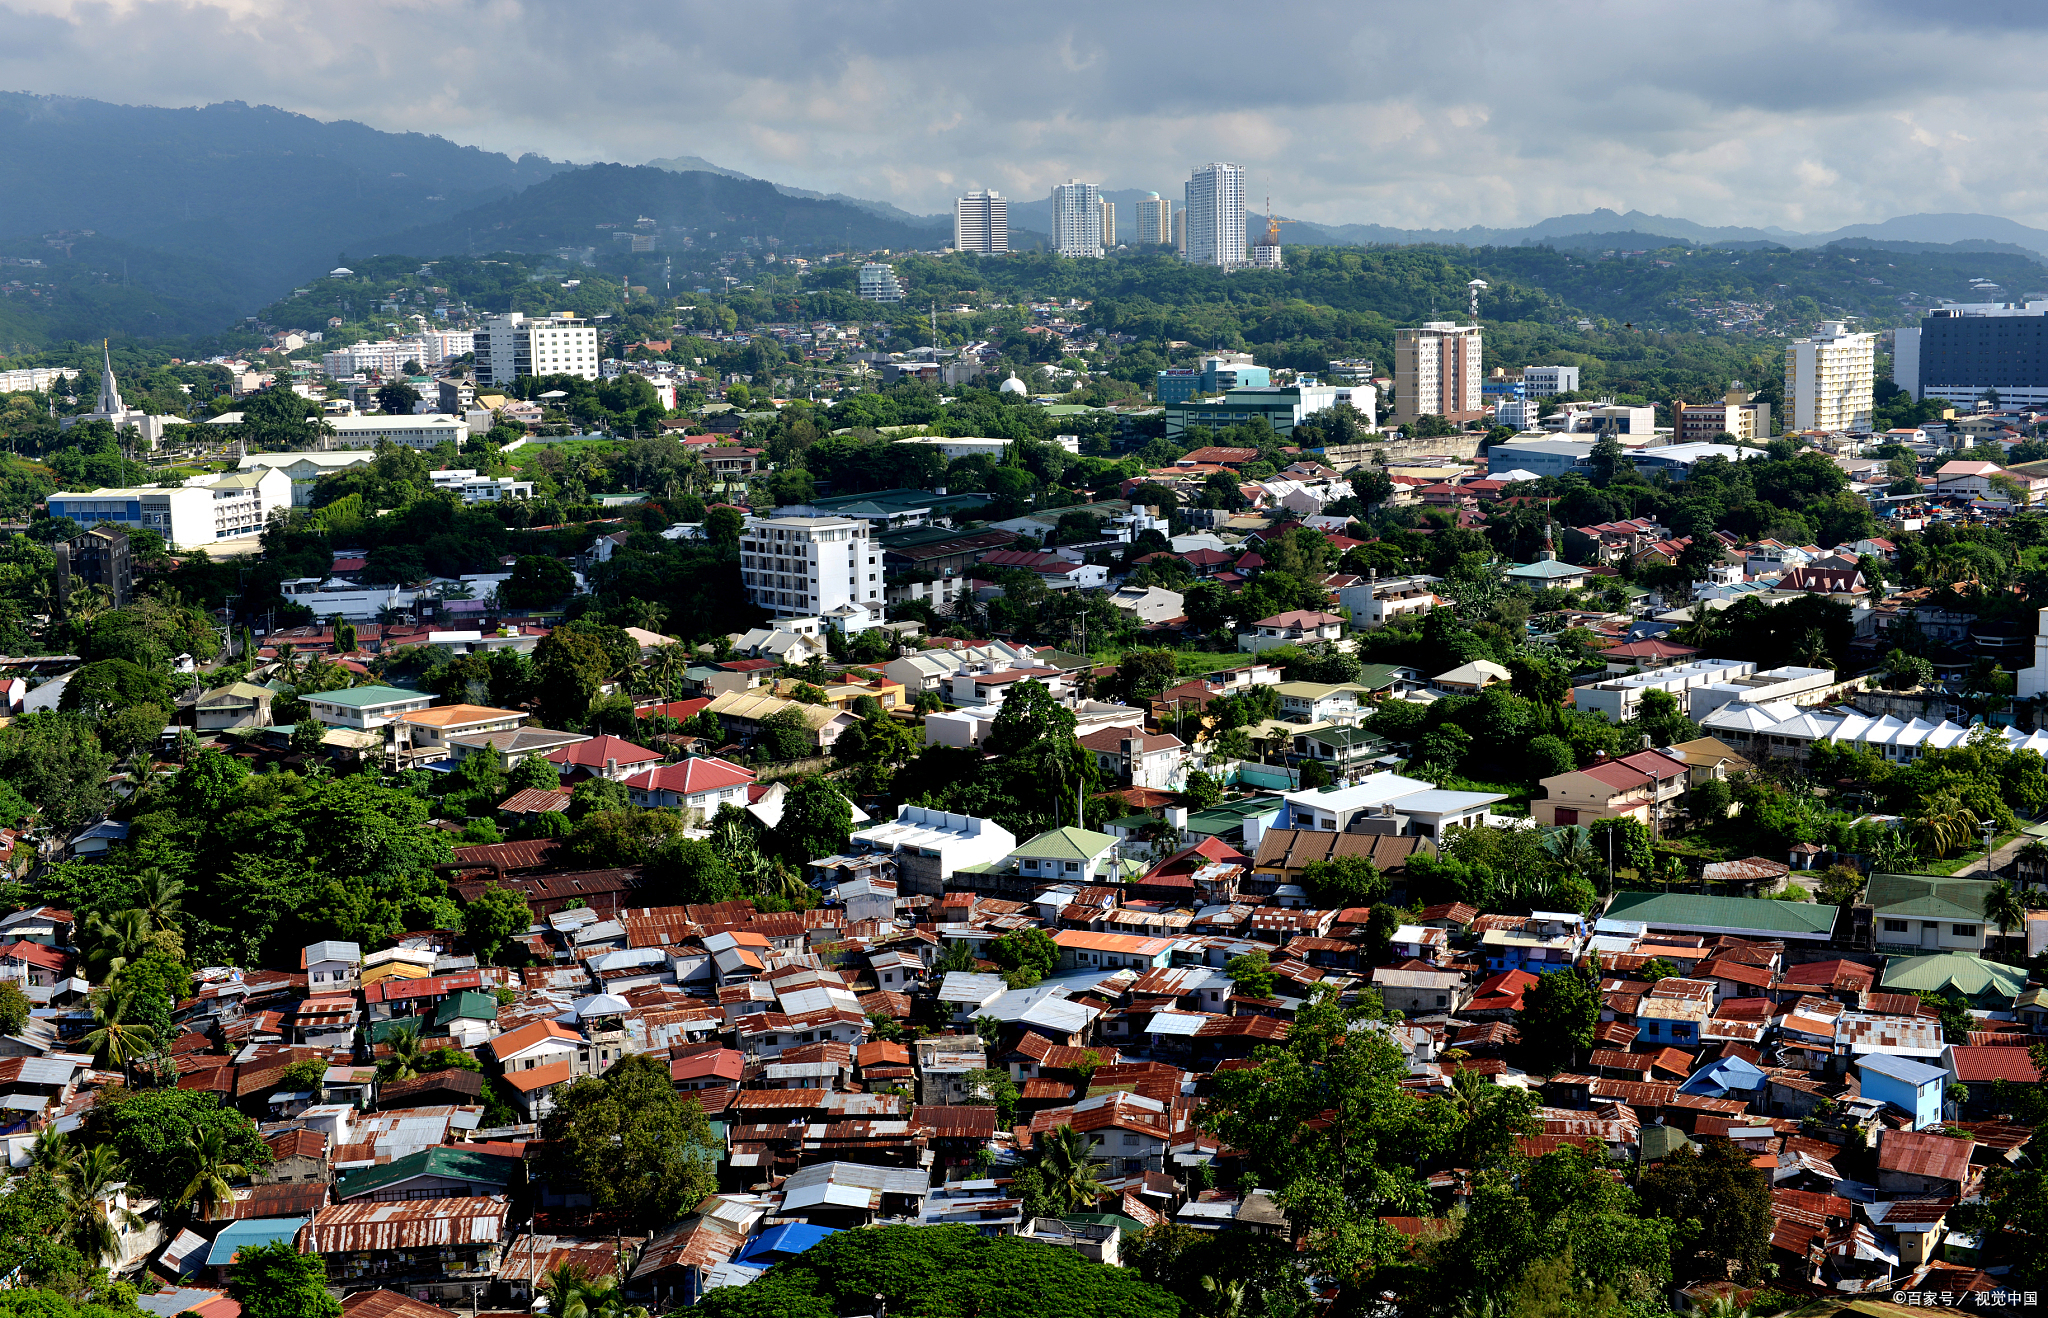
(786, 1241)
(249, 1234)
(1903, 1069)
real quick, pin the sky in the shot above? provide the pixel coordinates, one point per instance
(1803, 114)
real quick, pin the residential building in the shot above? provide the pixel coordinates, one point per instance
(1345, 752)
(1829, 378)
(1300, 627)
(1067, 855)
(424, 734)
(604, 756)
(1964, 352)
(1076, 219)
(515, 344)
(981, 222)
(1180, 231)
(1082, 949)
(1155, 221)
(482, 489)
(1437, 372)
(1543, 381)
(1469, 679)
(1916, 913)
(1320, 702)
(1646, 786)
(365, 707)
(987, 685)
(99, 559)
(1108, 223)
(236, 705)
(1914, 1088)
(877, 282)
(800, 566)
(1737, 414)
(1215, 216)
(1150, 605)
(698, 787)
(1378, 600)
(186, 516)
(1616, 700)
(1387, 803)
(1131, 758)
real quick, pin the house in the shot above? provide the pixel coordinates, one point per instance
(1149, 605)
(929, 845)
(1979, 1067)
(1652, 652)
(1068, 855)
(697, 786)
(444, 1249)
(1055, 572)
(742, 714)
(1346, 752)
(986, 685)
(1923, 1162)
(1547, 573)
(603, 756)
(331, 965)
(1912, 912)
(1388, 803)
(1469, 679)
(850, 1194)
(1913, 1088)
(365, 707)
(1423, 992)
(1647, 786)
(513, 747)
(236, 705)
(1135, 759)
(1082, 949)
(442, 1172)
(424, 735)
(542, 1044)
(1320, 702)
(1300, 627)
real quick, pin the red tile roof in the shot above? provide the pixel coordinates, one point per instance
(691, 777)
(1975, 1065)
(594, 754)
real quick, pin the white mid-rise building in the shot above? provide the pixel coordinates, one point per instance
(186, 516)
(475, 488)
(304, 470)
(1155, 221)
(1076, 219)
(981, 223)
(1543, 381)
(1215, 216)
(515, 344)
(1828, 379)
(878, 283)
(420, 431)
(802, 566)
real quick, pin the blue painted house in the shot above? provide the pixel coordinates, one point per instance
(1914, 1088)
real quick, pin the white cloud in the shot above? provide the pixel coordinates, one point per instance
(1803, 113)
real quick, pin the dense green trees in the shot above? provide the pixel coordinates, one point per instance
(1559, 1013)
(154, 1132)
(632, 1143)
(277, 1281)
(942, 1270)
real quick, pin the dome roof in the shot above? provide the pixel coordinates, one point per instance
(339, 272)
(1013, 385)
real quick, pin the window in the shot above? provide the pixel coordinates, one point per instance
(1896, 926)
(1963, 930)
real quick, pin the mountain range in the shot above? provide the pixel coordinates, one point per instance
(154, 221)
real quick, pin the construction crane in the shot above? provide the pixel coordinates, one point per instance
(1273, 226)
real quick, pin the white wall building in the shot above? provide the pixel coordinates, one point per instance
(1155, 221)
(1108, 223)
(803, 566)
(305, 469)
(1076, 219)
(1543, 381)
(1828, 379)
(187, 516)
(514, 344)
(482, 489)
(410, 431)
(981, 222)
(877, 282)
(1216, 233)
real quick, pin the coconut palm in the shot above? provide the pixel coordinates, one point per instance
(1226, 1299)
(89, 1186)
(158, 897)
(212, 1167)
(1945, 824)
(53, 1153)
(118, 1037)
(406, 1056)
(778, 882)
(2003, 907)
(1062, 1160)
(111, 942)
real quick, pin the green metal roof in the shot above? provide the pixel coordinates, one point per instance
(1686, 910)
(1927, 896)
(451, 1161)
(386, 1031)
(1343, 737)
(469, 1005)
(1982, 982)
(362, 697)
(1067, 844)
(1377, 677)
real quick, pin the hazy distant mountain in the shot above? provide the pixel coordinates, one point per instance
(567, 210)
(697, 164)
(272, 194)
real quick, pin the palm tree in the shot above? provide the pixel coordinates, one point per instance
(53, 1153)
(1062, 1160)
(88, 1194)
(1945, 823)
(406, 1057)
(112, 943)
(778, 882)
(117, 1038)
(208, 1188)
(158, 897)
(1226, 1298)
(2003, 907)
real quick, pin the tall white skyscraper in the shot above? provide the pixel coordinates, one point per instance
(1155, 221)
(1108, 224)
(1216, 215)
(1828, 380)
(981, 223)
(1076, 219)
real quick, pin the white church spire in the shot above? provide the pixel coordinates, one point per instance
(110, 396)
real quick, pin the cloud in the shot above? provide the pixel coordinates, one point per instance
(1802, 113)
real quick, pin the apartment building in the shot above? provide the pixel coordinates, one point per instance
(1155, 221)
(515, 344)
(798, 566)
(1076, 219)
(1738, 414)
(877, 282)
(1437, 372)
(1828, 379)
(981, 222)
(1215, 216)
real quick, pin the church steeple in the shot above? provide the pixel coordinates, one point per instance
(110, 395)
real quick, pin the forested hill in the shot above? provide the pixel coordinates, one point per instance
(269, 194)
(585, 207)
